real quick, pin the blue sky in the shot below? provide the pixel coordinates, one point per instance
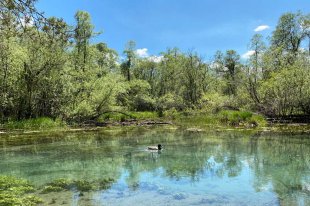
(201, 25)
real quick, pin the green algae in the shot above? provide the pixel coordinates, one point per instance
(14, 191)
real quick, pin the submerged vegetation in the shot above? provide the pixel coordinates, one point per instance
(51, 69)
(14, 191)
(117, 161)
(78, 185)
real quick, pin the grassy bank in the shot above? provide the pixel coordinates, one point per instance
(192, 118)
(223, 118)
(42, 123)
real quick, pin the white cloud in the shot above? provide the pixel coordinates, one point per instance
(214, 65)
(261, 28)
(156, 59)
(248, 54)
(142, 52)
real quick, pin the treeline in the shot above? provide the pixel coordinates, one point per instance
(49, 68)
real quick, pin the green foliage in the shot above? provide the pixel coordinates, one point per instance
(213, 102)
(136, 96)
(116, 116)
(37, 123)
(171, 113)
(228, 67)
(46, 71)
(287, 91)
(241, 118)
(289, 32)
(144, 115)
(170, 101)
(100, 94)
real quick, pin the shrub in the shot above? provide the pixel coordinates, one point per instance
(236, 118)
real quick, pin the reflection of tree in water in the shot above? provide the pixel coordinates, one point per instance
(284, 161)
(230, 155)
(187, 155)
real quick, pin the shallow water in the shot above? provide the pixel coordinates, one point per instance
(208, 168)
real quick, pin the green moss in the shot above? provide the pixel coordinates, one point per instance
(83, 185)
(57, 185)
(14, 185)
(31, 200)
(79, 185)
(105, 183)
(13, 191)
(62, 183)
(49, 188)
(9, 199)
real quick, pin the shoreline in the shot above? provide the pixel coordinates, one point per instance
(271, 127)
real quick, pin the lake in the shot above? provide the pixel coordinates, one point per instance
(194, 168)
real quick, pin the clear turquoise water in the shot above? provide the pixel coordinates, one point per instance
(208, 168)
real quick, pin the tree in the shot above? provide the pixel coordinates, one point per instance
(255, 70)
(106, 58)
(41, 80)
(130, 55)
(24, 12)
(12, 55)
(83, 32)
(147, 69)
(194, 76)
(291, 30)
(227, 65)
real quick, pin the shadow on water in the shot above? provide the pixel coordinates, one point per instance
(193, 168)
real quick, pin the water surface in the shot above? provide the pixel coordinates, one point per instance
(194, 168)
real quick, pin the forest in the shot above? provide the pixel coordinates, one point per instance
(51, 69)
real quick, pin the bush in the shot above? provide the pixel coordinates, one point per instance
(237, 118)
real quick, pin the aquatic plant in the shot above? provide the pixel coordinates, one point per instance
(59, 185)
(13, 192)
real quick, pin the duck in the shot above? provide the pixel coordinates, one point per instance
(158, 147)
